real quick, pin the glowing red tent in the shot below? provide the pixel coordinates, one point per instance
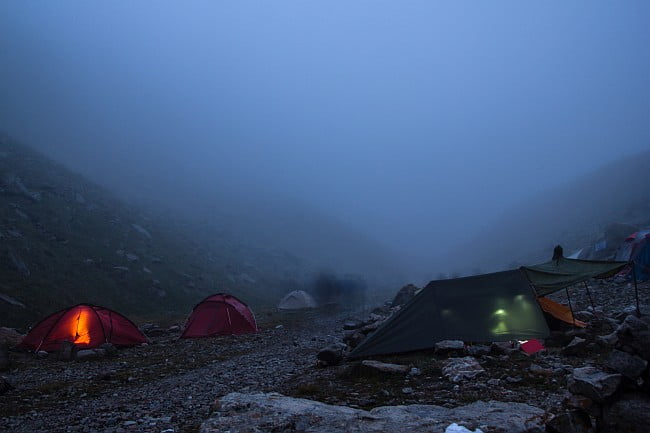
(86, 326)
(220, 314)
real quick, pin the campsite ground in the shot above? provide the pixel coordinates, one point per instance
(172, 385)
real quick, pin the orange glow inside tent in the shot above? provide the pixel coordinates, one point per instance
(80, 329)
(85, 325)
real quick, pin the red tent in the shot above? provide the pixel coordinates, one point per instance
(220, 314)
(85, 325)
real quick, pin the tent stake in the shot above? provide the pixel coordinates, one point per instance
(636, 289)
(570, 307)
(589, 295)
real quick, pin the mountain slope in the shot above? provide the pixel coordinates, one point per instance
(65, 240)
(574, 215)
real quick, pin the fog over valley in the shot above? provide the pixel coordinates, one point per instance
(412, 128)
(284, 216)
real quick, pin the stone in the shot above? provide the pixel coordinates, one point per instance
(5, 362)
(458, 369)
(501, 347)
(478, 350)
(628, 365)
(594, 383)
(331, 355)
(141, 230)
(541, 371)
(630, 414)
(445, 347)
(385, 367)
(132, 257)
(66, 351)
(41, 354)
(353, 338)
(404, 295)
(109, 349)
(367, 329)
(10, 337)
(407, 390)
(351, 324)
(88, 354)
(274, 412)
(577, 346)
(494, 382)
(5, 385)
(579, 402)
(573, 421)
(607, 340)
(634, 336)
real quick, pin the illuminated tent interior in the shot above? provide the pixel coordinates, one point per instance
(501, 306)
(219, 314)
(491, 307)
(85, 325)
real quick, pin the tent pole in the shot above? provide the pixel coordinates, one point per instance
(636, 289)
(590, 298)
(570, 306)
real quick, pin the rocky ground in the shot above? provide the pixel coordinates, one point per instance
(173, 386)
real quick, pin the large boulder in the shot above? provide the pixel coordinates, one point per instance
(628, 365)
(630, 414)
(634, 336)
(459, 369)
(260, 412)
(594, 383)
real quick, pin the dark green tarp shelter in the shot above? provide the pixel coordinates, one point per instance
(555, 275)
(491, 307)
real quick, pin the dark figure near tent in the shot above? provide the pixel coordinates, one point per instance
(347, 293)
(558, 253)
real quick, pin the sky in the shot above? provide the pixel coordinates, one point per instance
(416, 123)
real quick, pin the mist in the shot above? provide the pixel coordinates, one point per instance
(414, 126)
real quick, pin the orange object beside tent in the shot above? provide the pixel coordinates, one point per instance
(559, 311)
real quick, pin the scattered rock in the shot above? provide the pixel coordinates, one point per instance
(447, 346)
(351, 324)
(10, 337)
(88, 354)
(631, 414)
(570, 422)
(384, 367)
(539, 370)
(5, 362)
(353, 338)
(594, 383)
(4, 385)
(577, 346)
(66, 351)
(141, 230)
(478, 350)
(628, 365)
(458, 369)
(331, 355)
(404, 295)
